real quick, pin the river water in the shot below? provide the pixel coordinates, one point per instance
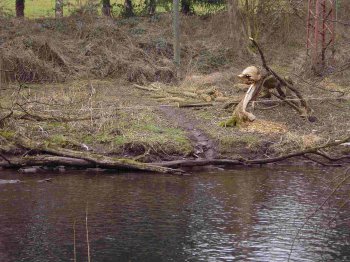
(241, 215)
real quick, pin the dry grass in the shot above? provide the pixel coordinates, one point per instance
(115, 121)
(122, 119)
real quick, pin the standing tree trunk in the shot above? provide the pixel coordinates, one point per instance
(3, 78)
(59, 9)
(151, 7)
(176, 32)
(236, 26)
(20, 8)
(106, 7)
(128, 8)
(186, 7)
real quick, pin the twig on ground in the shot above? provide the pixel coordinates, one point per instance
(146, 88)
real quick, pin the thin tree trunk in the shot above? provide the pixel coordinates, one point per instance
(2, 73)
(236, 28)
(128, 8)
(186, 7)
(20, 8)
(151, 9)
(106, 7)
(59, 9)
(176, 30)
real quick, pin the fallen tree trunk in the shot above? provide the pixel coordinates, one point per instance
(66, 157)
(95, 159)
(46, 160)
(247, 162)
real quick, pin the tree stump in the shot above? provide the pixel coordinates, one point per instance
(240, 114)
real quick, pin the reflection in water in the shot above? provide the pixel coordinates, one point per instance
(241, 215)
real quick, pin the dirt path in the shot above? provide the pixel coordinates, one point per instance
(204, 147)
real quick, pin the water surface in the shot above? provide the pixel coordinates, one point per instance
(240, 215)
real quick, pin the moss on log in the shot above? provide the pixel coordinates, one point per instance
(92, 158)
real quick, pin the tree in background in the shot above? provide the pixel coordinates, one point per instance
(106, 7)
(213, 5)
(187, 7)
(59, 9)
(151, 6)
(234, 20)
(20, 8)
(128, 8)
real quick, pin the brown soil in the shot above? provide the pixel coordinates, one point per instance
(204, 147)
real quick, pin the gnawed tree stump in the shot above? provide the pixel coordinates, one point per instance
(251, 75)
(240, 114)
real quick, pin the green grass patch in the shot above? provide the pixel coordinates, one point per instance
(46, 8)
(7, 134)
(58, 139)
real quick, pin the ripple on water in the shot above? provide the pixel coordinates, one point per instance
(242, 215)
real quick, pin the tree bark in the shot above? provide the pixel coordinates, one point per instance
(240, 114)
(186, 7)
(59, 9)
(151, 8)
(3, 75)
(128, 8)
(66, 157)
(176, 32)
(20, 8)
(235, 29)
(106, 8)
(263, 161)
(95, 159)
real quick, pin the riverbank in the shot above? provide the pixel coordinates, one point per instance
(111, 91)
(117, 120)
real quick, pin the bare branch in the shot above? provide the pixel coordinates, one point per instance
(280, 79)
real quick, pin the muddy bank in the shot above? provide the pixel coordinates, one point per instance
(203, 146)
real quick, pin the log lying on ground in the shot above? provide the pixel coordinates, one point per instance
(66, 157)
(316, 151)
(92, 158)
(46, 160)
